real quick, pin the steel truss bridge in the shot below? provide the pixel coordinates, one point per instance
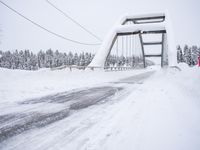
(135, 39)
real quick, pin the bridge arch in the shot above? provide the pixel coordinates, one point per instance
(146, 24)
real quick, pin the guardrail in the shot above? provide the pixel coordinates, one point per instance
(74, 67)
(107, 68)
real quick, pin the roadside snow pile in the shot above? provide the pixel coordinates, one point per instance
(163, 114)
(18, 85)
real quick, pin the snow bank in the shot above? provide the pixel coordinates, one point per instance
(163, 114)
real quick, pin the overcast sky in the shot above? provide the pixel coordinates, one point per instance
(97, 15)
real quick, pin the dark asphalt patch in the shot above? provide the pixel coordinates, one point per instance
(19, 123)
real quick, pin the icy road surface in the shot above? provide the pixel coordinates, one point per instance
(56, 121)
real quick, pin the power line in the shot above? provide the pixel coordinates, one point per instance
(76, 22)
(49, 31)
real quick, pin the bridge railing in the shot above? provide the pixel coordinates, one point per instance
(71, 67)
(106, 68)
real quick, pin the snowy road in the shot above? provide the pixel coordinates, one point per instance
(22, 130)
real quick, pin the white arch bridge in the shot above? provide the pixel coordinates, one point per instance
(134, 40)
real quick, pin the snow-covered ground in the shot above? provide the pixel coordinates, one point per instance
(162, 112)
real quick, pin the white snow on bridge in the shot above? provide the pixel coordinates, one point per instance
(103, 52)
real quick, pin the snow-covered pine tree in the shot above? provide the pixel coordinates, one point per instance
(55, 62)
(49, 58)
(76, 59)
(179, 54)
(7, 60)
(16, 59)
(70, 58)
(87, 58)
(33, 62)
(41, 59)
(21, 60)
(82, 59)
(1, 58)
(195, 55)
(27, 60)
(189, 57)
(64, 59)
(185, 53)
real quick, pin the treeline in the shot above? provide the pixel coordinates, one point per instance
(27, 60)
(188, 55)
